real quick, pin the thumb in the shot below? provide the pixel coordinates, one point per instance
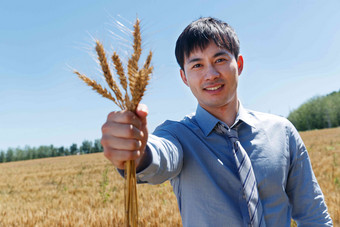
(142, 112)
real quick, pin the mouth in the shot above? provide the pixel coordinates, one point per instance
(214, 88)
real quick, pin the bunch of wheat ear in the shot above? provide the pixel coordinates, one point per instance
(137, 81)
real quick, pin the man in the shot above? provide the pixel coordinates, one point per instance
(228, 166)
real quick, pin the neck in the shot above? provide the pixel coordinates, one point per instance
(226, 113)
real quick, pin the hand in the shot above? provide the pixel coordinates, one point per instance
(124, 136)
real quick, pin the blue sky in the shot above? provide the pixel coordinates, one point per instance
(291, 51)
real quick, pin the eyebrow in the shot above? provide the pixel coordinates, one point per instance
(220, 53)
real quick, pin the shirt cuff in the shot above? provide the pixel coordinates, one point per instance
(149, 171)
(146, 162)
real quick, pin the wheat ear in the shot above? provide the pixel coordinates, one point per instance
(97, 87)
(133, 61)
(140, 88)
(122, 78)
(107, 72)
(148, 61)
(120, 70)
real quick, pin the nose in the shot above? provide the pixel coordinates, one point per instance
(212, 73)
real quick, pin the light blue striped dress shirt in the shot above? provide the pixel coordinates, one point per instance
(200, 165)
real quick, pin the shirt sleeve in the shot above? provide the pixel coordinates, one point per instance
(305, 195)
(166, 158)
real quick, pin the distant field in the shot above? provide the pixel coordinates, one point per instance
(87, 191)
(324, 150)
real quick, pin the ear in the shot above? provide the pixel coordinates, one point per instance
(240, 64)
(184, 78)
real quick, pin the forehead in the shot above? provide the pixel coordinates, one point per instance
(210, 51)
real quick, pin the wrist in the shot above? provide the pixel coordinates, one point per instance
(145, 160)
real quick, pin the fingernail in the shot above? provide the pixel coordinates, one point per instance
(144, 107)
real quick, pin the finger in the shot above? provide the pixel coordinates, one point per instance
(124, 117)
(115, 143)
(119, 157)
(119, 165)
(128, 131)
(122, 156)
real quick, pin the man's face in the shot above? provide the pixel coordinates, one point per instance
(212, 75)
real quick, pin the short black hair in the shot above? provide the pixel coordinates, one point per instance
(201, 32)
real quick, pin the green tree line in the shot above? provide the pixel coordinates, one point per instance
(27, 153)
(317, 113)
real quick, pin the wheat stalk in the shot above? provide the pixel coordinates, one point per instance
(138, 80)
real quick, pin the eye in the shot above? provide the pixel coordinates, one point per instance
(220, 60)
(196, 66)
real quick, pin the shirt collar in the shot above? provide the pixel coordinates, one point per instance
(244, 115)
(207, 121)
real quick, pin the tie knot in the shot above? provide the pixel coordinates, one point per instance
(232, 133)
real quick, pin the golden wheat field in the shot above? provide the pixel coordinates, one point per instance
(87, 191)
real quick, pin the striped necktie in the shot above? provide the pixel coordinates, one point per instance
(247, 177)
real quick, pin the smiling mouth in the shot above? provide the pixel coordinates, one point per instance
(213, 88)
